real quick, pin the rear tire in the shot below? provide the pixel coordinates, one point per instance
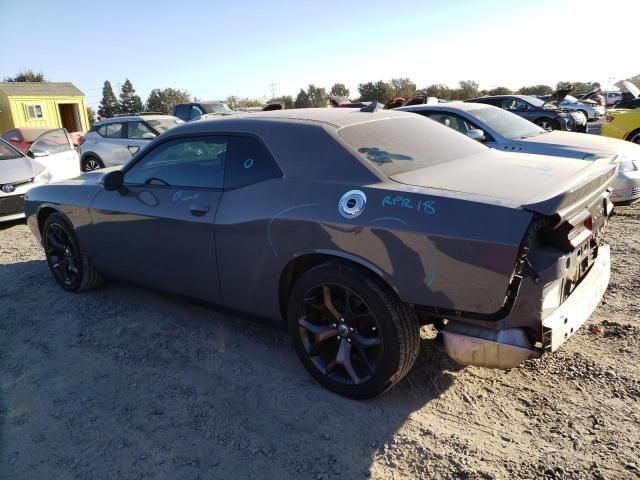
(91, 163)
(70, 267)
(351, 332)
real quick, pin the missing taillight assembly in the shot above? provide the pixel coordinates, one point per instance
(571, 234)
(609, 118)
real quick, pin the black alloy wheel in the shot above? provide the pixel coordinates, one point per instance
(340, 334)
(91, 163)
(62, 255)
(70, 267)
(350, 330)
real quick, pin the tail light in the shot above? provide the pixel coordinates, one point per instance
(571, 234)
(609, 118)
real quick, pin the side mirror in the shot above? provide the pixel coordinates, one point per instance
(14, 139)
(37, 152)
(148, 135)
(476, 134)
(113, 180)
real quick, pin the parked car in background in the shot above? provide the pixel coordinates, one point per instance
(503, 130)
(612, 97)
(22, 138)
(592, 111)
(195, 110)
(594, 96)
(115, 140)
(50, 157)
(357, 227)
(623, 124)
(630, 98)
(545, 114)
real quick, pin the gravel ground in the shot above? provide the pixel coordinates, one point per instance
(124, 382)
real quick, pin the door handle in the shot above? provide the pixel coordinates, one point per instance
(199, 210)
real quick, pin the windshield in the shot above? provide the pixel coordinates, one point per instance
(403, 144)
(507, 124)
(161, 125)
(536, 102)
(7, 152)
(218, 107)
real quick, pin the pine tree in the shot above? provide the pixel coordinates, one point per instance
(109, 105)
(129, 101)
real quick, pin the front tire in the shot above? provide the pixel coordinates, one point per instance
(70, 267)
(351, 332)
(546, 123)
(634, 137)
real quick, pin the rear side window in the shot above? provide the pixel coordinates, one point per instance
(402, 144)
(113, 130)
(248, 162)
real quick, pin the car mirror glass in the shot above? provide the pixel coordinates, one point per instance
(38, 152)
(113, 180)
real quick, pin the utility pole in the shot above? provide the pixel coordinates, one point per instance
(272, 86)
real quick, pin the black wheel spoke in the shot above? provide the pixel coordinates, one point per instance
(54, 242)
(343, 358)
(328, 303)
(61, 254)
(366, 342)
(321, 333)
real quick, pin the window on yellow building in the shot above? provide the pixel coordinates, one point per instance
(34, 111)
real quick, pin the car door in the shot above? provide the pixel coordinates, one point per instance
(111, 146)
(138, 134)
(55, 151)
(158, 230)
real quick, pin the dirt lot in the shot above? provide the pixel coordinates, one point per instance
(127, 383)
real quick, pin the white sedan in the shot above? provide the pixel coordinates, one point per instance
(592, 112)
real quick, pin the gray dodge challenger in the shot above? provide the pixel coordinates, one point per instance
(356, 226)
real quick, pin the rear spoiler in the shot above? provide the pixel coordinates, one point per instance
(583, 193)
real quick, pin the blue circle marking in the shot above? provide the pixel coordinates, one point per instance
(248, 163)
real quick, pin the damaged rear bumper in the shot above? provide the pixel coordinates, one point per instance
(508, 347)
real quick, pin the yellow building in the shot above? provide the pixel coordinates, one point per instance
(48, 105)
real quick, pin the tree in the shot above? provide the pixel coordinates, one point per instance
(403, 87)
(499, 91)
(379, 91)
(437, 90)
(27, 76)
(129, 101)
(235, 102)
(317, 96)
(466, 89)
(339, 90)
(302, 100)
(536, 90)
(109, 105)
(287, 100)
(91, 115)
(163, 100)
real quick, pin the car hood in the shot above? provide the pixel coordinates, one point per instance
(633, 90)
(19, 170)
(539, 183)
(559, 95)
(589, 144)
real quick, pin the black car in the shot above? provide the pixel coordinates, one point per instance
(195, 110)
(545, 114)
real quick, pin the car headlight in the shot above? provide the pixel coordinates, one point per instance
(43, 177)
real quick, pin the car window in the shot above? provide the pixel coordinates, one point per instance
(514, 104)
(195, 113)
(54, 141)
(102, 130)
(451, 121)
(10, 134)
(113, 130)
(248, 162)
(182, 162)
(136, 131)
(7, 152)
(182, 111)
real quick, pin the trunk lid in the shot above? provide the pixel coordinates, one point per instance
(556, 97)
(538, 183)
(633, 90)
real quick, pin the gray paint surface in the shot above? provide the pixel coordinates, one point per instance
(457, 254)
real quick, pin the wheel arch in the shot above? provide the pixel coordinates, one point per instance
(90, 153)
(302, 263)
(45, 210)
(631, 134)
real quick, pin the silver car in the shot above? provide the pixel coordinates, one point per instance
(502, 130)
(115, 140)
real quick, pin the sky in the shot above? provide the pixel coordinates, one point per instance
(249, 49)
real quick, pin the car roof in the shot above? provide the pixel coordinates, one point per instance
(456, 105)
(131, 117)
(330, 117)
